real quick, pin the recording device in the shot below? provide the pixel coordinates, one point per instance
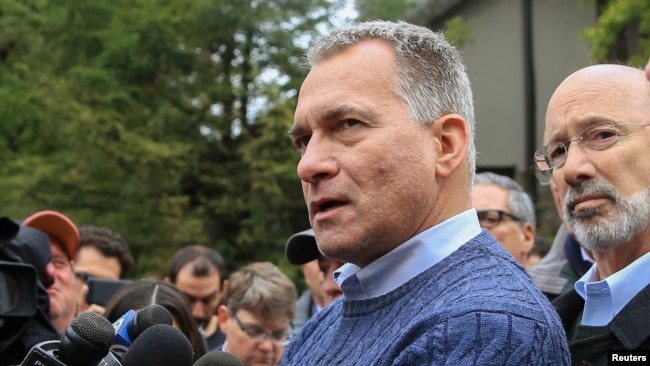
(218, 358)
(17, 280)
(17, 290)
(86, 342)
(24, 320)
(159, 345)
(131, 324)
(100, 290)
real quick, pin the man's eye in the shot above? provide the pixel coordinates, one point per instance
(302, 142)
(59, 263)
(603, 134)
(351, 122)
(557, 152)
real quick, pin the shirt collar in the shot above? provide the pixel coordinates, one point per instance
(606, 298)
(408, 259)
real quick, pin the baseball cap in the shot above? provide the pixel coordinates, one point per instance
(57, 225)
(301, 247)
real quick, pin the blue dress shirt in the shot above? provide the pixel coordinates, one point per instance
(605, 298)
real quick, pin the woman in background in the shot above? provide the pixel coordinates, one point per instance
(139, 294)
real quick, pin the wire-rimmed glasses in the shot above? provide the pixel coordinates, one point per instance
(599, 136)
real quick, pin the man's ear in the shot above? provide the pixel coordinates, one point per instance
(452, 135)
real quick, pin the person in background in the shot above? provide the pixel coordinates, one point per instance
(595, 147)
(301, 249)
(256, 317)
(102, 253)
(200, 274)
(384, 126)
(138, 294)
(506, 211)
(312, 300)
(59, 280)
(540, 248)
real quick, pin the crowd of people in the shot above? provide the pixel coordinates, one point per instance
(412, 258)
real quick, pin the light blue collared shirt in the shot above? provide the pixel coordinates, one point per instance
(408, 260)
(605, 298)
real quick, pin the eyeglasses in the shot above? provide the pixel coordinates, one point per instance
(491, 218)
(257, 334)
(544, 177)
(595, 137)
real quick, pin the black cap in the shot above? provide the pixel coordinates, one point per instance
(301, 247)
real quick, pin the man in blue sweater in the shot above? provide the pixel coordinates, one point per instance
(384, 125)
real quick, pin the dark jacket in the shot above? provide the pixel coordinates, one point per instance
(629, 330)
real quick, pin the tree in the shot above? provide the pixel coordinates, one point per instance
(165, 121)
(622, 32)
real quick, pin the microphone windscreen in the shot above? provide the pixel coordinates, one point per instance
(159, 345)
(147, 316)
(86, 340)
(218, 358)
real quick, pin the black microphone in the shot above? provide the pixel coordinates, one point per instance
(160, 345)
(86, 341)
(218, 358)
(131, 324)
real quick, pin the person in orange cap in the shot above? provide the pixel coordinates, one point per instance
(59, 277)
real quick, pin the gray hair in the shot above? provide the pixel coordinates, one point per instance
(519, 202)
(262, 289)
(430, 75)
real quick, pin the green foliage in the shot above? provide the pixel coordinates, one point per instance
(458, 31)
(385, 10)
(163, 120)
(615, 17)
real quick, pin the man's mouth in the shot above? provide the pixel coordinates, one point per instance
(329, 205)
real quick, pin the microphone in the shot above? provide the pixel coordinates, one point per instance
(218, 358)
(85, 342)
(159, 345)
(131, 324)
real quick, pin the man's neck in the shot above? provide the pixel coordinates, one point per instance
(615, 259)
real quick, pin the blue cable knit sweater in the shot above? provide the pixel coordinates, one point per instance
(475, 307)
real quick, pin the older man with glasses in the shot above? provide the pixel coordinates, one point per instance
(506, 211)
(256, 318)
(595, 151)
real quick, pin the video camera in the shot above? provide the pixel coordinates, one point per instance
(24, 303)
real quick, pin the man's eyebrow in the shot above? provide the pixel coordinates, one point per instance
(327, 115)
(337, 112)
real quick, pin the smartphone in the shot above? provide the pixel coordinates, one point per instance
(100, 290)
